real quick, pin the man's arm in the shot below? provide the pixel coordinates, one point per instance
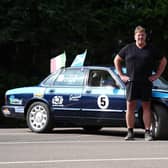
(117, 63)
(160, 69)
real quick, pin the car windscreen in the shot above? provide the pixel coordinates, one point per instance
(48, 81)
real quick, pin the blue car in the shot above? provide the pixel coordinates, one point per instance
(90, 97)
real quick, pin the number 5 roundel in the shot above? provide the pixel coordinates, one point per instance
(103, 101)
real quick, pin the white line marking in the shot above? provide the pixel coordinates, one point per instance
(83, 160)
(64, 142)
(76, 141)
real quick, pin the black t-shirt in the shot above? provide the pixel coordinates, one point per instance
(140, 62)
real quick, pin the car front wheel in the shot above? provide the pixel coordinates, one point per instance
(39, 118)
(159, 122)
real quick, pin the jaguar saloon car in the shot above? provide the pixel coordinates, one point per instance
(90, 97)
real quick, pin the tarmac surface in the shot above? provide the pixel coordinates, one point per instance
(74, 148)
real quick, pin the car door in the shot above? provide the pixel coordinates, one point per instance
(65, 94)
(103, 98)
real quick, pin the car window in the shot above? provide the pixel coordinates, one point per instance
(160, 83)
(101, 78)
(70, 77)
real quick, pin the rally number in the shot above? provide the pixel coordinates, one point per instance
(103, 101)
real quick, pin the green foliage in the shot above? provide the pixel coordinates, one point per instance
(34, 30)
(9, 80)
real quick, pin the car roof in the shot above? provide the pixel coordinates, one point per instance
(92, 67)
(98, 67)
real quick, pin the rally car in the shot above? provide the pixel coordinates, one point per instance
(90, 97)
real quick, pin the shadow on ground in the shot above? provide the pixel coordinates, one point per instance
(12, 123)
(119, 132)
(18, 123)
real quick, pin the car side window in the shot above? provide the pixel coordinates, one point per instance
(101, 78)
(94, 78)
(70, 77)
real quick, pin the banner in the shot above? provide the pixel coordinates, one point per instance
(57, 62)
(79, 59)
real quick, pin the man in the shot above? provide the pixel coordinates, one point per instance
(140, 59)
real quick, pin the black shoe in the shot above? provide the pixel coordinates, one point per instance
(129, 137)
(148, 136)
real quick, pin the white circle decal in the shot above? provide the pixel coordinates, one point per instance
(103, 101)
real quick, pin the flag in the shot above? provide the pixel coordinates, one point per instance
(79, 59)
(57, 62)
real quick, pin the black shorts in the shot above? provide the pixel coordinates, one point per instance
(138, 91)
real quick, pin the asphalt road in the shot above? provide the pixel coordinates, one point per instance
(72, 148)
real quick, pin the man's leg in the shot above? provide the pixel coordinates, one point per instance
(130, 116)
(146, 105)
(130, 119)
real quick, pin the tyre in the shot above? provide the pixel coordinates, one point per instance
(39, 118)
(159, 122)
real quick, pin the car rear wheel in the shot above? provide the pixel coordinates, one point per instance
(39, 118)
(159, 122)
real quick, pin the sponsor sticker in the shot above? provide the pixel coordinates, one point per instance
(57, 101)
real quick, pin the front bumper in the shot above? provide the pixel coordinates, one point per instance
(13, 111)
